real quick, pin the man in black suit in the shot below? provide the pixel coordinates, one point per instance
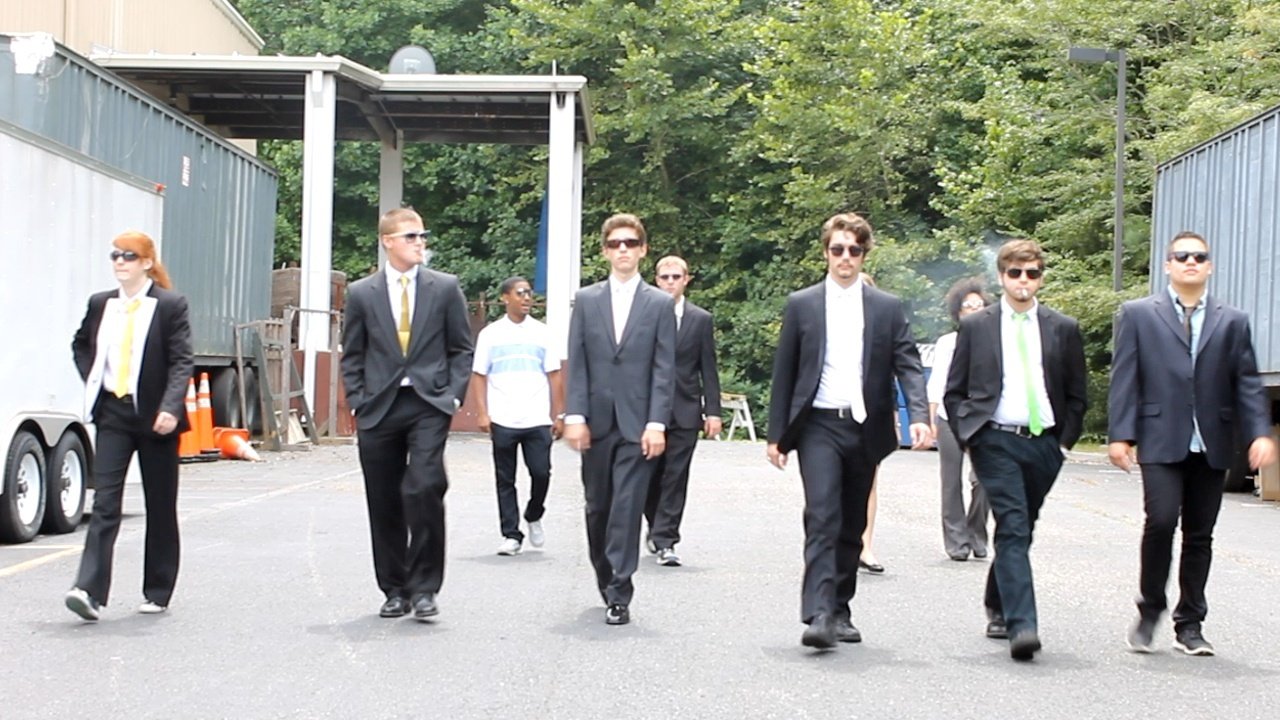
(1184, 386)
(1016, 399)
(833, 401)
(622, 337)
(696, 406)
(406, 361)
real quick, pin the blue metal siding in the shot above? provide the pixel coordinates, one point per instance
(1228, 189)
(219, 230)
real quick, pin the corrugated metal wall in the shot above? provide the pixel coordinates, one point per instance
(1228, 189)
(219, 217)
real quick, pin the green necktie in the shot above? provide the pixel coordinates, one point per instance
(404, 314)
(1033, 399)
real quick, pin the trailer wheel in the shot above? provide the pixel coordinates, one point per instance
(224, 394)
(68, 472)
(22, 509)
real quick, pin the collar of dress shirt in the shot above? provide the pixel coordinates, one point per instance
(146, 288)
(1173, 295)
(393, 275)
(624, 286)
(833, 288)
(1007, 310)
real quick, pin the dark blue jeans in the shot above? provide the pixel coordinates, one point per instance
(535, 444)
(1017, 473)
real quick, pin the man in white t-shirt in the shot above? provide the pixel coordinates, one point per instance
(520, 400)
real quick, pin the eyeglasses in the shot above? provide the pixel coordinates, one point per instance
(126, 255)
(523, 292)
(669, 277)
(412, 236)
(974, 304)
(839, 250)
(615, 243)
(1032, 273)
(1183, 255)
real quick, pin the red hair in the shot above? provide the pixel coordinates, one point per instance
(142, 244)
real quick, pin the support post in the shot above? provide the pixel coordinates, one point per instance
(318, 137)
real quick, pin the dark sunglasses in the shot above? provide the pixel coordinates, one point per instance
(616, 243)
(414, 236)
(668, 277)
(126, 255)
(1032, 273)
(523, 292)
(853, 250)
(1184, 255)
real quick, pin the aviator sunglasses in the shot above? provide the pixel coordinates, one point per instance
(126, 255)
(410, 236)
(616, 243)
(853, 250)
(1183, 255)
(1032, 273)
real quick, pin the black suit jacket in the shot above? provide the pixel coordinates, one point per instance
(440, 346)
(1155, 391)
(976, 378)
(167, 358)
(630, 382)
(697, 392)
(888, 351)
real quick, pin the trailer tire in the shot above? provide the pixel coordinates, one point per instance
(22, 509)
(224, 394)
(65, 486)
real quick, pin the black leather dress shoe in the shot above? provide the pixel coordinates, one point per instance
(996, 628)
(846, 632)
(394, 607)
(873, 568)
(424, 606)
(617, 614)
(820, 634)
(1024, 645)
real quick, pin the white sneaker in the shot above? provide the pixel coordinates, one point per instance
(149, 608)
(509, 546)
(667, 557)
(536, 535)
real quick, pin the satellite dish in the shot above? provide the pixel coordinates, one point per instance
(413, 60)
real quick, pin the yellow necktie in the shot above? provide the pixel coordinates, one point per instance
(126, 350)
(404, 314)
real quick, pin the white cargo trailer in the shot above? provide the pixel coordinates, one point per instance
(59, 210)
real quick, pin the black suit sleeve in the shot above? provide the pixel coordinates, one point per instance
(907, 368)
(1122, 395)
(82, 344)
(662, 392)
(460, 347)
(710, 372)
(577, 401)
(178, 357)
(1251, 398)
(355, 342)
(785, 362)
(958, 378)
(1075, 383)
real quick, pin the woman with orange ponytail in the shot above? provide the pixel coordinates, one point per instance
(134, 352)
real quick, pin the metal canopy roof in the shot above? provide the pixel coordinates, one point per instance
(263, 97)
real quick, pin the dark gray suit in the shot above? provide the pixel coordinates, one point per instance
(697, 396)
(1156, 391)
(402, 430)
(619, 387)
(838, 457)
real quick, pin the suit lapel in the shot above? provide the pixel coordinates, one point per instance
(870, 321)
(382, 306)
(423, 298)
(604, 304)
(995, 338)
(1048, 346)
(1212, 316)
(685, 331)
(1169, 314)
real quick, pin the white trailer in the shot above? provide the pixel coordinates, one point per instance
(59, 210)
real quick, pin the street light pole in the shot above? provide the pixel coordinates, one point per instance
(1099, 55)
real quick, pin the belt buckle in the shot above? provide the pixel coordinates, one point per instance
(844, 413)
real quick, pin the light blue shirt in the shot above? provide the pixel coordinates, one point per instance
(1197, 323)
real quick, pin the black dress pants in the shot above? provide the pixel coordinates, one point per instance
(121, 433)
(405, 482)
(1193, 490)
(615, 478)
(535, 444)
(664, 507)
(837, 476)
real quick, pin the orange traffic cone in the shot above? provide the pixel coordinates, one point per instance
(189, 441)
(204, 416)
(234, 444)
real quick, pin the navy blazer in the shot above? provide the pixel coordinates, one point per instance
(1155, 391)
(888, 351)
(976, 378)
(697, 391)
(628, 384)
(440, 346)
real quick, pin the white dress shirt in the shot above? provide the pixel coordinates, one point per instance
(841, 383)
(114, 316)
(623, 296)
(943, 351)
(395, 292)
(679, 312)
(1013, 408)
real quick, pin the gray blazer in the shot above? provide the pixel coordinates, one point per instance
(440, 346)
(1155, 391)
(888, 351)
(632, 381)
(697, 391)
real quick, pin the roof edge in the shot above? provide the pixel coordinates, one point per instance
(241, 24)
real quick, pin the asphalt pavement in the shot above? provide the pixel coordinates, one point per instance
(275, 614)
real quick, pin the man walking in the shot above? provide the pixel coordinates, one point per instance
(519, 395)
(622, 337)
(1184, 386)
(833, 401)
(696, 406)
(406, 359)
(1016, 399)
